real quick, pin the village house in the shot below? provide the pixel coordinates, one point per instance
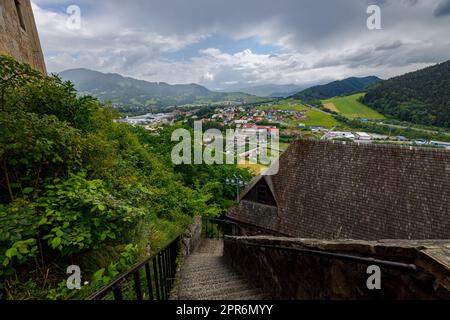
(251, 128)
(363, 136)
(340, 135)
(318, 129)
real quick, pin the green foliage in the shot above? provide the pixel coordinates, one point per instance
(105, 275)
(51, 96)
(18, 233)
(421, 97)
(82, 215)
(76, 185)
(207, 180)
(33, 147)
(336, 88)
(14, 75)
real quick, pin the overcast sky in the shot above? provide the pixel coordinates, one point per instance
(223, 43)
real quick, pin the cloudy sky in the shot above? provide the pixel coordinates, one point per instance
(227, 43)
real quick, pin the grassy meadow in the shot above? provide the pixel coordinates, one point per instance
(351, 108)
(315, 118)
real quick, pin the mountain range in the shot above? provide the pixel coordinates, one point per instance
(269, 90)
(336, 88)
(131, 95)
(421, 97)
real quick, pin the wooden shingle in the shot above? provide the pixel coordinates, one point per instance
(327, 190)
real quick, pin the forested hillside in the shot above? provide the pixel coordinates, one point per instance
(132, 95)
(421, 97)
(336, 88)
(78, 188)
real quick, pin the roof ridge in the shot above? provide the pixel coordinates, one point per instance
(372, 145)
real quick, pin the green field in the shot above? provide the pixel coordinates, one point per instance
(315, 118)
(351, 108)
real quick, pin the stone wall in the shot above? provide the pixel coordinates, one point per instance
(192, 237)
(21, 42)
(294, 275)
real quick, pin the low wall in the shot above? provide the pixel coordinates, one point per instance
(293, 275)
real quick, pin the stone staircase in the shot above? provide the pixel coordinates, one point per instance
(206, 276)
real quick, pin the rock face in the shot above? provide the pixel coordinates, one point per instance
(18, 34)
(286, 269)
(206, 276)
(192, 237)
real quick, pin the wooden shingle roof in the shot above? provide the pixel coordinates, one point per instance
(330, 190)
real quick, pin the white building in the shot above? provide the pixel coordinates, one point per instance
(379, 137)
(363, 136)
(340, 135)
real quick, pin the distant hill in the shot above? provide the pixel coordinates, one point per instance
(271, 90)
(336, 88)
(132, 95)
(421, 97)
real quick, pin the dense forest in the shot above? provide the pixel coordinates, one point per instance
(336, 88)
(421, 97)
(77, 187)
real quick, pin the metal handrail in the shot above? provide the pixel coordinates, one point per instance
(164, 265)
(323, 253)
(218, 222)
(333, 255)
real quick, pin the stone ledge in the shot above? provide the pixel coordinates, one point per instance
(326, 278)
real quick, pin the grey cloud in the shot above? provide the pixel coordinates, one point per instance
(408, 3)
(389, 46)
(129, 37)
(443, 9)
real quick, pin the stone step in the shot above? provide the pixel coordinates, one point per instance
(214, 283)
(204, 260)
(236, 290)
(206, 279)
(204, 268)
(194, 271)
(205, 256)
(206, 276)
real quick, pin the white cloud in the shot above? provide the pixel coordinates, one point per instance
(318, 40)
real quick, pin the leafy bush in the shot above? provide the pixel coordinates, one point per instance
(14, 75)
(33, 147)
(18, 233)
(76, 185)
(82, 215)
